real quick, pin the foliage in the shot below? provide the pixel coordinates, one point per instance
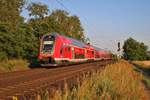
(147, 82)
(114, 56)
(18, 44)
(10, 13)
(38, 10)
(148, 57)
(134, 50)
(3, 56)
(13, 65)
(113, 83)
(144, 68)
(20, 39)
(58, 21)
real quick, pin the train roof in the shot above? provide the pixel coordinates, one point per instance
(96, 48)
(75, 42)
(72, 41)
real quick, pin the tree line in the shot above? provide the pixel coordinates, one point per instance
(134, 50)
(19, 38)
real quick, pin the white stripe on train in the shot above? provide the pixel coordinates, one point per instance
(77, 60)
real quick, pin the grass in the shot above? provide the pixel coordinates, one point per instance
(144, 67)
(118, 81)
(13, 65)
(147, 82)
(145, 64)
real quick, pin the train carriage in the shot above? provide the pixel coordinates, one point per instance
(56, 49)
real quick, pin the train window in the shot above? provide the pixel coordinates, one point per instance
(79, 56)
(48, 42)
(47, 47)
(48, 38)
(61, 51)
(68, 49)
(92, 52)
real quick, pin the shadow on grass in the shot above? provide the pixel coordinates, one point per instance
(146, 82)
(145, 72)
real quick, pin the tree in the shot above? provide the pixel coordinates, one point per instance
(68, 25)
(10, 13)
(58, 21)
(20, 39)
(74, 28)
(38, 10)
(16, 37)
(148, 57)
(134, 50)
(19, 44)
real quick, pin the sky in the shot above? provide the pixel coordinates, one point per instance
(107, 22)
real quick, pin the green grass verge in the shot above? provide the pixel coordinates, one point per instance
(147, 82)
(13, 65)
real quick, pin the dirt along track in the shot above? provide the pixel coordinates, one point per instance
(26, 84)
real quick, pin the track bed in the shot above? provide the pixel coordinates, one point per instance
(26, 84)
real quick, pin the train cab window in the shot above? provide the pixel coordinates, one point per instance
(49, 38)
(48, 42)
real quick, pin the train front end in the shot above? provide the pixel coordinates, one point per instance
(46, 50)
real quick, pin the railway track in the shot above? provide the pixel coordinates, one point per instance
(26, 84)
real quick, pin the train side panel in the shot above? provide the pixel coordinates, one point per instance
(59, 49)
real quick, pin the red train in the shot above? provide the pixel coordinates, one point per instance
(56, 49)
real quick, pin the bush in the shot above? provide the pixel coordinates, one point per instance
(3, 56)
(134, 50)
(13, 65)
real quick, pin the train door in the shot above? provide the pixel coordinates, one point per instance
(67, 52)
(73, 53)
(61, 52)
(85, 53)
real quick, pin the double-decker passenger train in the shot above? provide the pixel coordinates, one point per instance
(57, 49)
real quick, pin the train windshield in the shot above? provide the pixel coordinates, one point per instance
(48, 43)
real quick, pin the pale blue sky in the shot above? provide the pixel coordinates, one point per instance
(108, 21)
